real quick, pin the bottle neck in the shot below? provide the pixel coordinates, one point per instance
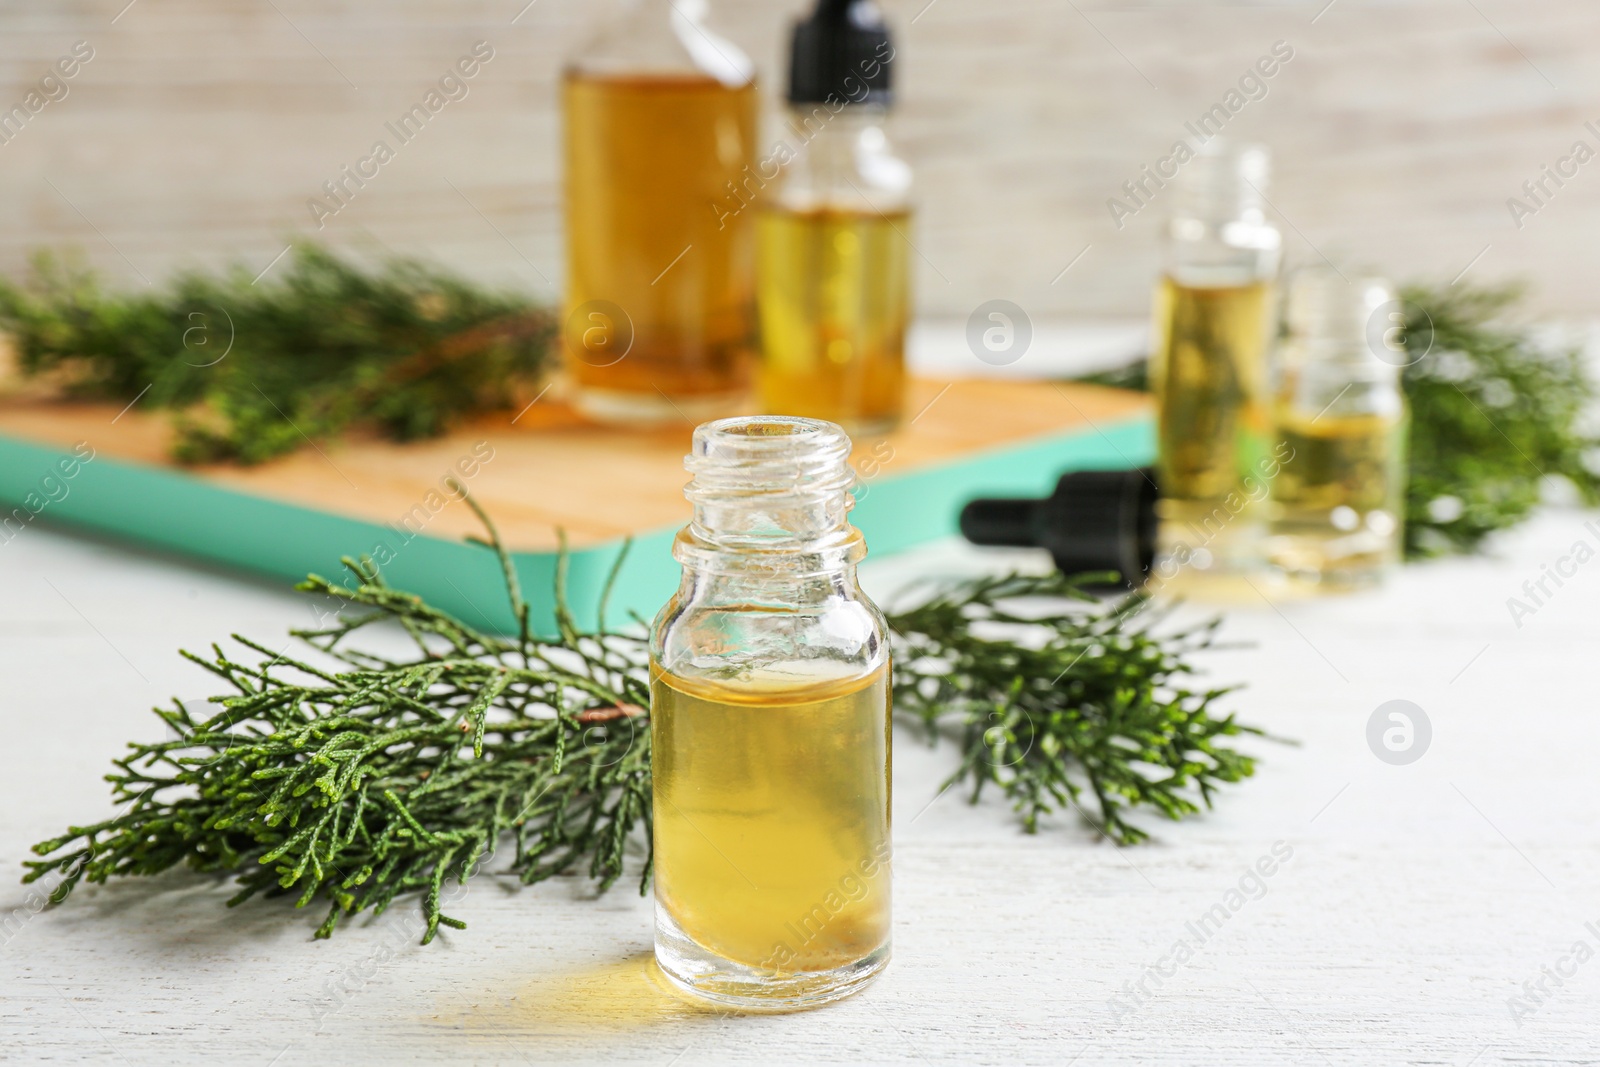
(1344, 349)
(839, 122)
(771, 498)
(1218, 234)
(842, 158)
(835, 140)
(769, 559)
(1353, 326)
(664, 37)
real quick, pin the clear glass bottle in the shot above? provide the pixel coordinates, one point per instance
(660, 120)
(770, 728)
(833, 264)
(1214, 312)
(1337, 503)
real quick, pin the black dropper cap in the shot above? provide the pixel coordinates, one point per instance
(1094, 521)
(841, 52)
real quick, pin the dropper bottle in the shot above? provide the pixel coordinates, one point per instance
(833, 263)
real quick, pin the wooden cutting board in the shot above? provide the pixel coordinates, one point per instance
(540, 471)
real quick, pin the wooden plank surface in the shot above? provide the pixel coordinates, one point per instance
(1417, 901)
(550, 469)
(202, 128)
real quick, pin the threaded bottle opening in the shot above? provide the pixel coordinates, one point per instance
(1223, 182)
(770, 483)
(1353, 320)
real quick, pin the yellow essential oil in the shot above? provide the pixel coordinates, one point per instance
(1336, 505)
(1209, 376)
(834, 298)
(649, 157)
(1209, 371)
(771, 818)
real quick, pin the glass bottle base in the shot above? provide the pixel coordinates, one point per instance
(1312, 563)
(706, 976)
(627, 408)
(1207, 551)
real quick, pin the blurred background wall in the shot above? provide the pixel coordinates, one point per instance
(200, 129)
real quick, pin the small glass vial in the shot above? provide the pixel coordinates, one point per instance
(833, 263)
(770, 742)
(660, 119)
(1337, 501)
(1214, 312)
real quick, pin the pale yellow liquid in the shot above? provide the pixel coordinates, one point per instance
(649, 164)
(1209, 375)
(1208, 371)
(1353, 462)
(834, 296)
(771, 819)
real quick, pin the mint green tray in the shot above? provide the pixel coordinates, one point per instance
(171, 510)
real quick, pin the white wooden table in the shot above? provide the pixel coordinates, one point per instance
(1418, 899)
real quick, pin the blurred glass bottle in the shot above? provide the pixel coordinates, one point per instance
(1213, 320)
(661, 117)
(1337, 503)
(833, 270)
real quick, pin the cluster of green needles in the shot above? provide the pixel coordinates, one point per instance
(347, 779)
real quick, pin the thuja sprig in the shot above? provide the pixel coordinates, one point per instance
(374, 777)
(1493, 413)
(253, 367)
(347, 778)
(1053, 700)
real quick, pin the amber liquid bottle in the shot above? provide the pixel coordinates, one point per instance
(660, 130)
(834, 260)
